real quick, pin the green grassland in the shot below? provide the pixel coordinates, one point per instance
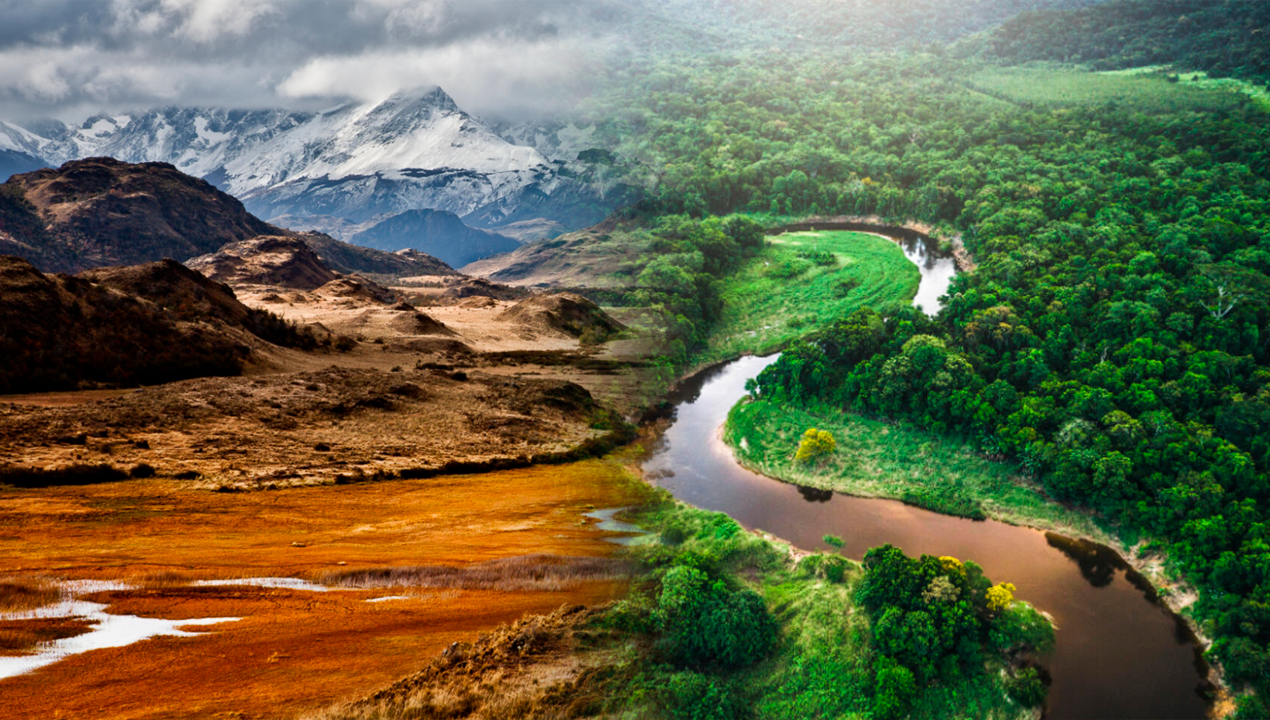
(1149, 92)
(1200, 80)
(874, 459)
(779, 296)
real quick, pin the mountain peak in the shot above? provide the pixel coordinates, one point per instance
(430, 95)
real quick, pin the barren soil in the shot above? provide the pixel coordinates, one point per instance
(306, 428)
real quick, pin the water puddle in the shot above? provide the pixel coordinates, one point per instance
(607, 523)
(112, 631)
(108, 631)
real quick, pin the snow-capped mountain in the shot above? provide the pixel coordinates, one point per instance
(415, 150)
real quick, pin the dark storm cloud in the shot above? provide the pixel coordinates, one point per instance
(496, 56)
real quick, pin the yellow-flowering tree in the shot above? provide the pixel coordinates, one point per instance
(1000, 596)
(815, 444)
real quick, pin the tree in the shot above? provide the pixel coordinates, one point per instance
(1000, 596)
(707, 624)
(1230, 285)
(815, 444)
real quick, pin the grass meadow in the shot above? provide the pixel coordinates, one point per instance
(1149, 92)
(876, 459)
(802, 282)
(1200, 80)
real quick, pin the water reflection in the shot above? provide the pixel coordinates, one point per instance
(815, 495)
(1098, 563)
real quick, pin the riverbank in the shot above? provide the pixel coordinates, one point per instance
(801, 283)
(874, 459)
(892, 461)
(1115, 639)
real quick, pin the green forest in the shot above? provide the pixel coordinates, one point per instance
(1113, 340)
(1222, 37)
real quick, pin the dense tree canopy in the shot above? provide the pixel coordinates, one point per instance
(1223, 37)
(933, 616)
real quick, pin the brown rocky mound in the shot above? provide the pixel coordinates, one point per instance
(173, 286)
(478, 303)
(410, 321)
(62, 332)
(359, 289)
(542, 666)
(266, 260)
(479, 287)
(566, 313)
(99, 211)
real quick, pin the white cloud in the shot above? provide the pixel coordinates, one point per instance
(69, 57)
(483, 75)
(204, 21)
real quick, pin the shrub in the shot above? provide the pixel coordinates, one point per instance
(815, 444)
(1021, 627)
(818, 257)
(894, 690)
(830, 567)
(706, 624)
(673, 535)
(82, 474)
(689, 696)
(142, 471)
(1026, 688)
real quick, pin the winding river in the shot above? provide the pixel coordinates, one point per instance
(1120, 654)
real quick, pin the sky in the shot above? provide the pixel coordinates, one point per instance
(500, 58)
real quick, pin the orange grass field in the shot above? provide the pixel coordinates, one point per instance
(293, 650)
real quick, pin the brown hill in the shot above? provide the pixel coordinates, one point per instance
(594, 258)
(470, 287)
(191, 297)
(565, 313)
(348, 258)
(99, 212)
(266, 260)
(63, 332)
(357, 288)
(171, 285)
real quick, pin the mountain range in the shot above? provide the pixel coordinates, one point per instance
(101, 212)
(356, 163)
